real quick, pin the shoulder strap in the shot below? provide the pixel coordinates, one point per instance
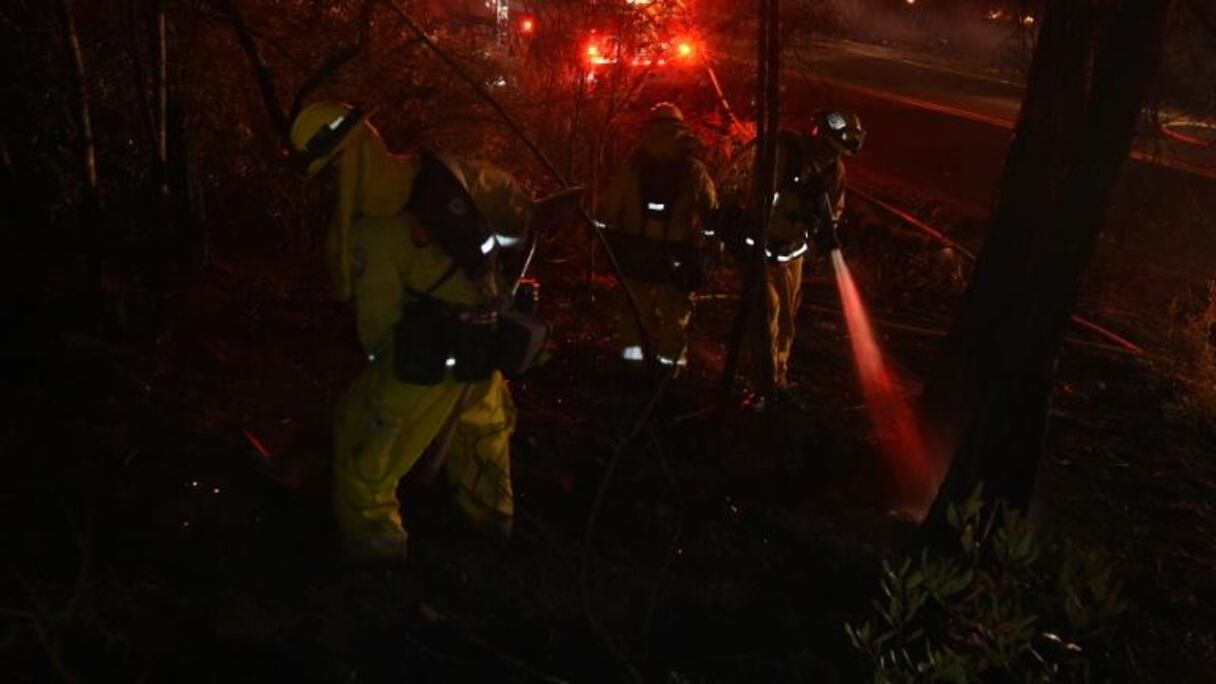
(447, 275)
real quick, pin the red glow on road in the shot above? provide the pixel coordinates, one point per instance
(899, 435)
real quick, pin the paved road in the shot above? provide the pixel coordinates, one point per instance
(967, 93)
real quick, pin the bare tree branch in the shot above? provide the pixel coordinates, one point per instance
(336, 60)
(261, 72)
(327, 69)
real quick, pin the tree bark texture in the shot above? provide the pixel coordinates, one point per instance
(753, 303)
(987, 401)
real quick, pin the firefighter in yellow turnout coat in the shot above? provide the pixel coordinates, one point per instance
(382, 254)
(654, 208)
(808, 202)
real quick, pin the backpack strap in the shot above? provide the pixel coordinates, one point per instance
(447, 275)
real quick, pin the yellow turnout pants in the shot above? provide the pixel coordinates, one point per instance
(381, 429)
(665, 310)
(783, 291)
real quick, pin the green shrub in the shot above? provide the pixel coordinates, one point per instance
(990, 608)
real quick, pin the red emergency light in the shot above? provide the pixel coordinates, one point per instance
(595, 55)
(527, 25)
(683, 50)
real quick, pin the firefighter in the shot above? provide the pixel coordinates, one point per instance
(415, 241)
(807, 205)
(655, 208)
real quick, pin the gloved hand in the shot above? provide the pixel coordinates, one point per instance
(832, 239)
(827, 235)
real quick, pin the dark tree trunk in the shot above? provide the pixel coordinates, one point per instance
(753, 302)
(987, 401)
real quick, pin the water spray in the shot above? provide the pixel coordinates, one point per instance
(899, 437)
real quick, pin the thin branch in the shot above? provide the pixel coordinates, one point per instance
(336, 60)
(327, 69)
(261, 72)
(271, 42)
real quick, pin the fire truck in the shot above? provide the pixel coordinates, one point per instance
(652, 35)
(655, 39)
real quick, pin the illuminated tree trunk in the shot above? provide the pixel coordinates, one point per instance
(986, 403)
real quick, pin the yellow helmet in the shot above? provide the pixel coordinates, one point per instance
(665, 111)
(320, 132)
